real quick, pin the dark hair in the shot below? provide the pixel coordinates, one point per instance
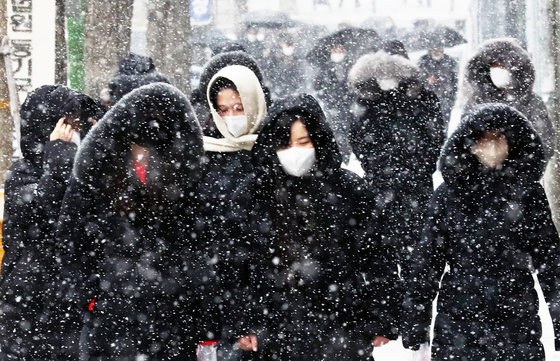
(219, 85)
(283, 128)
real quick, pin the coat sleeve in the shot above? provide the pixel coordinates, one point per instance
(425, 273)
(545, 252)
(538, 116)
(437, 126)
(74, 288)
(33, 202)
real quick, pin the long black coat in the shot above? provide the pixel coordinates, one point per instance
(224, 229)
(480, 88)
(325, 284)
(34, 190)
(492, 227)
(444, 82)
(396, 136)
(331, 88)
(132, 247)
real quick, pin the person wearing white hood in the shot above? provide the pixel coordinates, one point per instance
(238, 107)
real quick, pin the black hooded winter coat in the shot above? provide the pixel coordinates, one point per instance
(214, 65)
(33, 195)
(286, 74)
(331, 88)
(440, 77)
(131, 268)
(397, 135)
(331, 85)
(492, 227)
(507, 52)
(325, 285)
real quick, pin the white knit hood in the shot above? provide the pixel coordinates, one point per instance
(254, 105)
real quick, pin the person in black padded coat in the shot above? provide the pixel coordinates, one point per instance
(490, 223)
(396, 135)
(52, 120)
(324, 286)
(131, 275)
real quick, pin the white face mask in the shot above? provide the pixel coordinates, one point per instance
(76, 139)
(388, 84)
(500, 77)
(260, 36)
(491, 153)
(437, 56)
(337, 57)
(288, 51)
(251, 37)
(237, 125)
(296, 161)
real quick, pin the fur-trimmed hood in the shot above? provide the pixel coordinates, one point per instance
(504, 51)
(365, 75)
(463, 171)
(157, 116)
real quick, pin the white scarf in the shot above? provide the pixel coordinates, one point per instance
(254, 105)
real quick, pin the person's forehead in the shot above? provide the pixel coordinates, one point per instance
(299, 127)
(228, 96)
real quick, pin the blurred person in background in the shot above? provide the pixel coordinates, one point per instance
(440, 74)
(134, 71)
(286, 70)
(396, 135)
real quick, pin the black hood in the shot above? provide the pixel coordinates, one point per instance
(220, 61)
(274, 135)
(135, 64)
(134, 71)
(507, 52)
(157, 116)
(525, 163)
(41, 111)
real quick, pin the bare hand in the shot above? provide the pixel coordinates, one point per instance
(422, 354)
(248, 343)
(62, 131)
(92, 121)
(379, 341)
